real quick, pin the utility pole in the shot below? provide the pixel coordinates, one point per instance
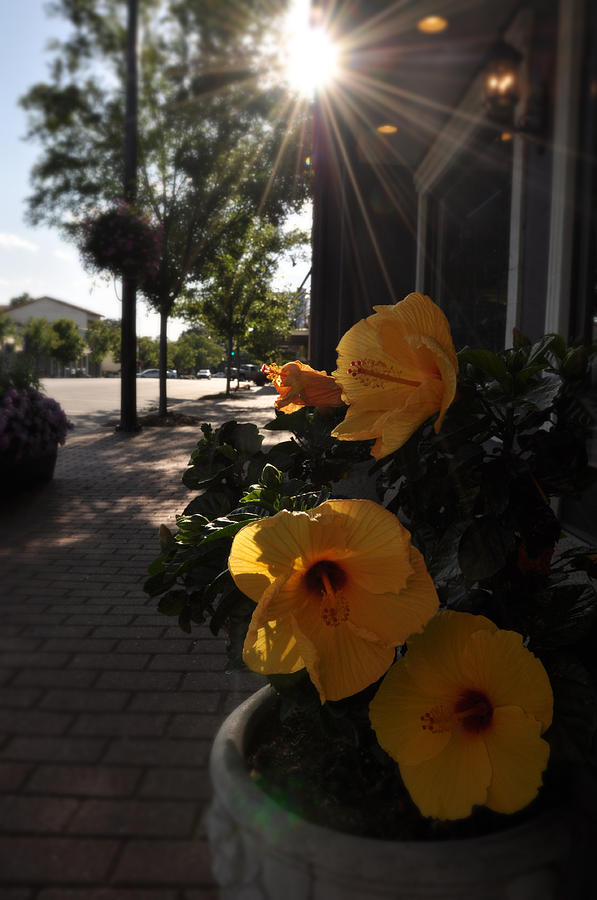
(128, 352)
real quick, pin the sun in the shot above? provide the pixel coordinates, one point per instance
(310, 57)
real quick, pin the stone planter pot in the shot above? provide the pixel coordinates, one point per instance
(30, 471)
(261, 852)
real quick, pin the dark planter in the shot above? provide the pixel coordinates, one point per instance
(262, 852)
(30, 471)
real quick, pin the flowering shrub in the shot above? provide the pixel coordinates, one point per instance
(30, 423)
(445, 632)
(122, 242)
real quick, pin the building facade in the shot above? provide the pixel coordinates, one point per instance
(51, 309)
(459, 161)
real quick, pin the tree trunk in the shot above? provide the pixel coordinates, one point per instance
(228, 365)
(128, 367)
(163, 404)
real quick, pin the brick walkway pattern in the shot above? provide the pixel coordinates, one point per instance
(107, 709)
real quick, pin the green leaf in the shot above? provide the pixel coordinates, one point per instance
(542, 395)
(246, 439)
(486, 361)
(197, 477)
(229, 600)
(484, 549)
(563, 614)
(191, 528)
(156, 566)
(295, 421)
(574, 727)
(228, 531)
(271, 477)
(212, 504)
(539, 351)
(574, 364)
(173, 603)
(156, 584)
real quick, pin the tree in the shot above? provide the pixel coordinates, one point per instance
(21, 299)
(272, 319)
(238, 280)
(216, 146)
(68, 345)
(148, 353)
(194, 350)
(38, 340)
(103, 337)
(6, 328)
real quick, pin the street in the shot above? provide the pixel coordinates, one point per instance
(92, 402)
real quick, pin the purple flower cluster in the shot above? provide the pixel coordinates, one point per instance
(122, 242)
(30, 423)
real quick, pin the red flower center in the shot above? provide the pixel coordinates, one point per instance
(474, 711)
(325, 571)
(326, 579)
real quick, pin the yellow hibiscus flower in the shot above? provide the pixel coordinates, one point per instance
(299, 385)
(462, 713)
(337, 589)
(396, 368)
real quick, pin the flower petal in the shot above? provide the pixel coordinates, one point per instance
(261, 551)
(271, 649)
(418, 314)
(400, 360)
(522, 681)
(437, 659)
(362, 342)
(448, 785)
(377, 556)
(340, 661)
(518, 757)
(396, 618)
(361, 424)
(448, 373)
(396, 714)
(401, 423)
(300, 385)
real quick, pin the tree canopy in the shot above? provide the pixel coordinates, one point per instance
(220, 142)
(68, 345)
(237, 284)
(103, 337)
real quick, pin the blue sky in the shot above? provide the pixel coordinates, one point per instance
(37, 260)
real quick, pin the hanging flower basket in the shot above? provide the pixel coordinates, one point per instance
(122, 242)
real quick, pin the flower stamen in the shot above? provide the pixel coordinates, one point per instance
(438, 719)
(335, 609)
(377, 370)
(473, 712)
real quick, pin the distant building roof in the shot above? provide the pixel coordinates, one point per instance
(89, 312)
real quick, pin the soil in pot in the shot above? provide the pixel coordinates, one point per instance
(353, 786)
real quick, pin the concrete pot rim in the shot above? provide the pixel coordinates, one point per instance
(545, 839)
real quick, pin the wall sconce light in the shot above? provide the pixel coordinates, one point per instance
(503, 87)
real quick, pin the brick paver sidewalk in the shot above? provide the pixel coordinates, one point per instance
(107, 709)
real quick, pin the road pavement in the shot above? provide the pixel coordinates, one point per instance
(93, 403)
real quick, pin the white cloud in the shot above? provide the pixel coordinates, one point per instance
(14, 242)
(66, 255)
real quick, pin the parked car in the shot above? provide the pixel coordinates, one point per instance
(203, 373)
(219, 375)
(155, 373)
